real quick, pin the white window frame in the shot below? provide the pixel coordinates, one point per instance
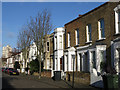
(55, 43)
(77, 36)
(60, 41)
(117, 22)
(93, 58)
(99, 30)
(103, 56)
(88, 33)
(69, 39)
(79, 62)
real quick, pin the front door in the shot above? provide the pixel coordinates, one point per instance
(86, 62)
(61, 63)
(80, 55)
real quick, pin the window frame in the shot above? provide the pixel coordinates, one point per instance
(60, 41)
(117, 19)
(48, 46)
(69, 39)
(101, 29)
(89, 33)
(77, 36)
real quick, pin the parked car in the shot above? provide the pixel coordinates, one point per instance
(3, 69)
(13, 72)
(8, 70)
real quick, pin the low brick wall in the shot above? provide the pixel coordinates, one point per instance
(46, 74)
(79, 77)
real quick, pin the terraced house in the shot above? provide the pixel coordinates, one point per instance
(92, 38)
(48, 52)
(58, 49)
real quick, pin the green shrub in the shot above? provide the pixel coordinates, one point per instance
(17, 65)
(34, 66)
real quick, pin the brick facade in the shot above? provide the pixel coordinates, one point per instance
(84, 61)
(105, 11)
(48, 52)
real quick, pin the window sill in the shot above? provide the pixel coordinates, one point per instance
(117, 34)
(77, 45)
(88, 42)
(68, 47)
(101, 39)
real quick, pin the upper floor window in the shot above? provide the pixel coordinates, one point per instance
(65, 39)
(101, 29)
(69, 39)
(117, 19)
(60, 40)
(88, 32)
(48, 46)
(55, 43)
(77, 36)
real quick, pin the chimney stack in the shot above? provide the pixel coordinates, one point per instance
(79, 15)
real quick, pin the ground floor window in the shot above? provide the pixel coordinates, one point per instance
(48, 63)
(102, 55)
(71, 62)
(117, 60)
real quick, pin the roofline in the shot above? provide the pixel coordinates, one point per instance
(87, 13)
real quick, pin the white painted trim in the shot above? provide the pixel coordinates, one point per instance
(87, 34)
(81, 47)
(68, 39)
(116, 9)
(116, 23)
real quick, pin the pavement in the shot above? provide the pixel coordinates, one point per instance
(30, 81)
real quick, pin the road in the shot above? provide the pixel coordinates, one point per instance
(19, 81)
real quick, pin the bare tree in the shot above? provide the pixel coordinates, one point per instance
(40, 26)
(24, 41)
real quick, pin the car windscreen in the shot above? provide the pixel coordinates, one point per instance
(10, 68)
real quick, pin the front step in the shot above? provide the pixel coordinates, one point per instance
(96, 79)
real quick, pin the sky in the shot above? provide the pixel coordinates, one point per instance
(16, 14)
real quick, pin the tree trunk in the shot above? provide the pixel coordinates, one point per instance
(40, 66)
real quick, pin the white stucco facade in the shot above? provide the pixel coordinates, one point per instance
(32, 52)
(58, 48)
(116, 54)
(10, 62)
(88, 60)
(68, 59)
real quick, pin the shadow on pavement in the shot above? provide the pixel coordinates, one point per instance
(68, 84)
(6, 83)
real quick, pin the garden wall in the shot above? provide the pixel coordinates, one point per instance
(79, 77)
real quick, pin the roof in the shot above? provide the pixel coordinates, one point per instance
(86, 13)
(4, 59)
